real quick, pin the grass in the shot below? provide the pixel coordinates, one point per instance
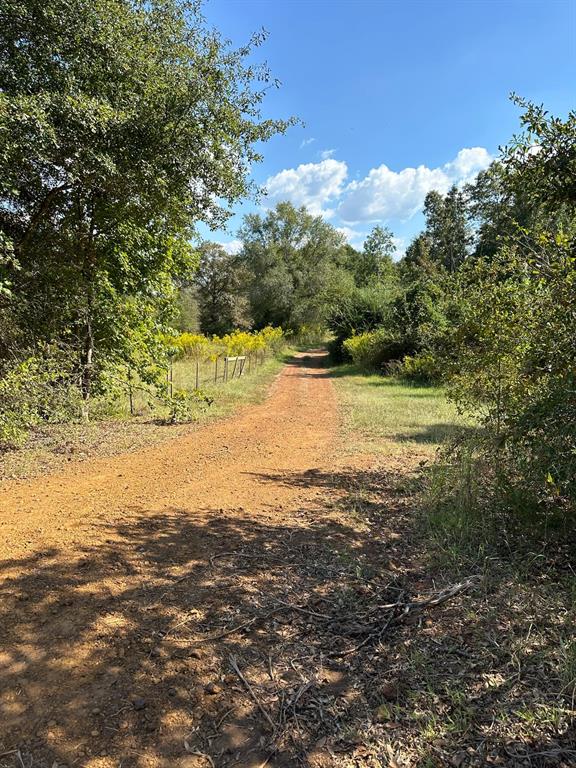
(227, 397)
(386, 416)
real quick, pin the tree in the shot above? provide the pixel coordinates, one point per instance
(417, 256)
(542, 159)
(499, 210)
(123, 124)
(375, 261)
(447, 228)
(291, 259)
(219, 283)
(511, 357)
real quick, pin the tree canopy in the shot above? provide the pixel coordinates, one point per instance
(122, 125)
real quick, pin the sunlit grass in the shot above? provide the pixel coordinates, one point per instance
(250, 388)
(384, 415)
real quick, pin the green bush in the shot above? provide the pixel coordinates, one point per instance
(512, 364)
(364, 349)
(374, 349)
(40, 388)
(421, 369)
(184, 405)
(363, 310)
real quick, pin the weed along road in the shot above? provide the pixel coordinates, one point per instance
(104, 566)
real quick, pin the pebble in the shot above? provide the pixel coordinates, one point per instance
(138, 703)
(212, 688)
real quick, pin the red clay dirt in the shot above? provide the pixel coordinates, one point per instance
(110, 598)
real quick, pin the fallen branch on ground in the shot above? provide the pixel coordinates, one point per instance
(236, 668)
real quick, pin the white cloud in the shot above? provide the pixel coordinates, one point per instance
(385, 194)
(313, 185)
(233, 247)
(327, 153)
(400, 245)
(306, 142)
(468, 163)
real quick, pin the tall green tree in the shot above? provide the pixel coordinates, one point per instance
(375, 262)
(122, 124)
(292, 260)
(219, 283)
(447, 228)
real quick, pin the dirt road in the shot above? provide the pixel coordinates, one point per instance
(122, 582)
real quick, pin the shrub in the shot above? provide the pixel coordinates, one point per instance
(183, 405)
(421, 369)
(196, 346)
(41, 388)
(364, 310)
(193, 345)
(372, 350)
(512, 364)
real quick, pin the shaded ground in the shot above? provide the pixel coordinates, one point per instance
(239, 597)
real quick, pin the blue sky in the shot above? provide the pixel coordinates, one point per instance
(397, 97)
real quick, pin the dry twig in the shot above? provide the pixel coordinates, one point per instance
(236, 668)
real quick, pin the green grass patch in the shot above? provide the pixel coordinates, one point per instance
(385, 415)
(249, 389)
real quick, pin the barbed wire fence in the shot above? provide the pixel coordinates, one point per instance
(195, 374)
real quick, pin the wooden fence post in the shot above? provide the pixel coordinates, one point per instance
(130, 394)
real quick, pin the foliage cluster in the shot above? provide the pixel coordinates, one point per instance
(122, 126)
(511, 358)
(199, 347)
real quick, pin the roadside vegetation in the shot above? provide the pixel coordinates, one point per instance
(490, 679)
(50, 446)
(385, 416)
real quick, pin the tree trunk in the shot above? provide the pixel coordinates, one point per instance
(87, 354)
(87, 363)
